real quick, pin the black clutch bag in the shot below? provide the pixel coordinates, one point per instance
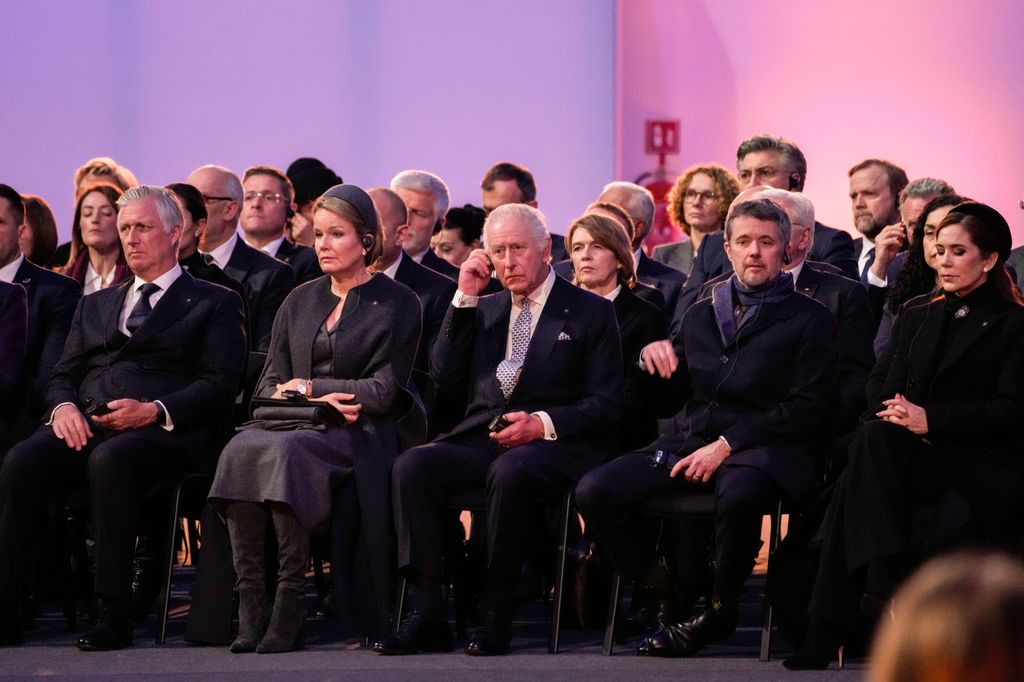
(289, 413)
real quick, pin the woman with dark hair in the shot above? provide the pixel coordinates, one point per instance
(942, 462)
(341, 355)
(919, 273)
(697, 204)
(39, 241)
(97, 260)
(460, 233)
(603, 264)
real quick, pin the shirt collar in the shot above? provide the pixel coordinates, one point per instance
(164, 281)
(796, 270)
(614, 293)
(270, 248)
(539, 296)
(392, 269)
(222, 254)
(418, 257)
(8, 271)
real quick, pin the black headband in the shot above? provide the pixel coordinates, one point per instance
(360, 201)
(991, 219)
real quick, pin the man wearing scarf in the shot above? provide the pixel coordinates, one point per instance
(755, 369)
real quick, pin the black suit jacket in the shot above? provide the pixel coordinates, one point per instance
(302, 259)
(558, 251)
(573, 367)
(834, 247)
(435, 292)
(667, 280)
(13, 335)
(267, 281)
(188, 354)
(640, 323)
(437, 264)
(52, 300)
(770, 391)
(198, 268)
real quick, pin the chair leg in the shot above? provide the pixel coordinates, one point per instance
(165, 596)
(563, 549)
(613, 614)
(774, 533)
(399, 604)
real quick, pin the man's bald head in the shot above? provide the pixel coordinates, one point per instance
(394, 223)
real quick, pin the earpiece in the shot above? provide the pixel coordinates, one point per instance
(794, 182)
(785, 258)
(289, 213)
(367, 241)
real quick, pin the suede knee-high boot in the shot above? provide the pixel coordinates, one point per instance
(247, 527)
(285, 630)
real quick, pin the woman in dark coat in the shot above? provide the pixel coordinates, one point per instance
(603, 264)
(347, 339)
(943, 462)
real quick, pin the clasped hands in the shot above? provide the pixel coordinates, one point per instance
(342, 402)
(902, 412)
(125, 414)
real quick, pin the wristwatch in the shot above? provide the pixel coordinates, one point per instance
(305, 388)
(161, 415)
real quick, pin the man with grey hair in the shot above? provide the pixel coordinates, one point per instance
(426, 200)
(149, 371)
(638, 202)
(266, 280)
(755, 369)
(543, 364)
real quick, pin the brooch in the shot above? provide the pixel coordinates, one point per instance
(961, 312)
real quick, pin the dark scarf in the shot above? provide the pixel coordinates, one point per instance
(725, 296)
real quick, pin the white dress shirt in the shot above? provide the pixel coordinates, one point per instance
(8, 271)
(392, 269)
(270, 248)
(865, 247)
(94, 282)
(222, 254)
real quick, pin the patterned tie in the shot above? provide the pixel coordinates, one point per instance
(208, 259)
(142, 307)
(508, 370)
(867, 266)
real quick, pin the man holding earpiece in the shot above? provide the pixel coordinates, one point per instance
(875, 187)
(755, 369)
(268, 205)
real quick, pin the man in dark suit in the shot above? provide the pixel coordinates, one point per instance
(434, 290)
(756, 368)
(148, 368)
(426, 201)
(268, 205)
(13, 334)
(779, 163)
(510, 183)
(844, 297)
(875, 188)
(638, 202)
(52, 299)
(266, 280)
(543, 363)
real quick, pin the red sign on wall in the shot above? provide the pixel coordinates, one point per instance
(662, 137)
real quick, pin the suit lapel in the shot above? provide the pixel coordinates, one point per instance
(766, 316)
(175, 304)
(239, 265)
(977, 324)
(496, 329)
(549, 326)
(808, 281)
(304, 327)
(113, 314)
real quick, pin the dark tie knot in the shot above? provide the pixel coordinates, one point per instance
(148, 289)
(208, 259)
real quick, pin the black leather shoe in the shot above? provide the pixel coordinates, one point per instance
(818, 649)
(416, 635)
(492, 637)
(686, 639)
(112, 631)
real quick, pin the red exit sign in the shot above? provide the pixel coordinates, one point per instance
(662, 137)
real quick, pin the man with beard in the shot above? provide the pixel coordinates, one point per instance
(875, 187)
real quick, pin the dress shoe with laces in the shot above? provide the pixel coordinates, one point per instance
(145, 587)
(112, 631)
(492, 638)
(416, 635)
(685, 639)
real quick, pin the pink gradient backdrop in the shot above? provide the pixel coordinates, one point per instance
(369, 87)
(935, 87)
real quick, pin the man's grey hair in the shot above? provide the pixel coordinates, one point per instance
(534, 220)
(232, 185)
(761, 209)
(424, 181)
(925, 188)
(798, 207)
(789, 154)
(640, 205)
(167, 205)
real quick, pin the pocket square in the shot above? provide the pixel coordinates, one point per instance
(562, 336)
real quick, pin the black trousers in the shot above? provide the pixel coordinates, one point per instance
(609, 498)
(119, 468)
(518, 483)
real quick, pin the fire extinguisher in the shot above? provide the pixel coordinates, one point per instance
(662, 231)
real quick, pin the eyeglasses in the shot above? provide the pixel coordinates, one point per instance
(209, 200)
(691, 196)
(270, 197)
(763, 173)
